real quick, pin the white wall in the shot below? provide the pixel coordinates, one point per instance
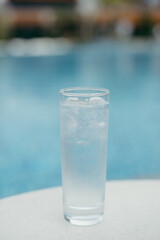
(87, 6)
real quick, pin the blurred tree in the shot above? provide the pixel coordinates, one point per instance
(144, 27)
(120, 1)
(54, 3)
(4, 29)
(67, 25)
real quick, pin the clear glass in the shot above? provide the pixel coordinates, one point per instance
(84, 130)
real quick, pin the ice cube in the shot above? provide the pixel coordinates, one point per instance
(71, 102)
(73, 123)
(72, 99)
(102, 124)
(97, 101)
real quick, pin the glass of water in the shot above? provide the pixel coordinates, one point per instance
(84, 130)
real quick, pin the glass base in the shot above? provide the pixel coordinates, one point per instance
(84, 216)
(84, 221)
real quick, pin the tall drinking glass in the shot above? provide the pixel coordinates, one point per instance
(84, 128)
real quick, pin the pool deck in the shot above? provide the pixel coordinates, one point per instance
(132, 211)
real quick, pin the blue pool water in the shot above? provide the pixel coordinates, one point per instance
(29, 111)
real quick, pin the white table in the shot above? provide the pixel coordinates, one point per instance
(132, 212)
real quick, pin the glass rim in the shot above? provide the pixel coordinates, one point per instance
(98, 92)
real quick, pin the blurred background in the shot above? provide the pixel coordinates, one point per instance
(46, 45)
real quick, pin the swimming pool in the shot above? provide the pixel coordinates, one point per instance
(29, 111)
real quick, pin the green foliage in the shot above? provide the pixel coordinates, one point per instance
(4, 29)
